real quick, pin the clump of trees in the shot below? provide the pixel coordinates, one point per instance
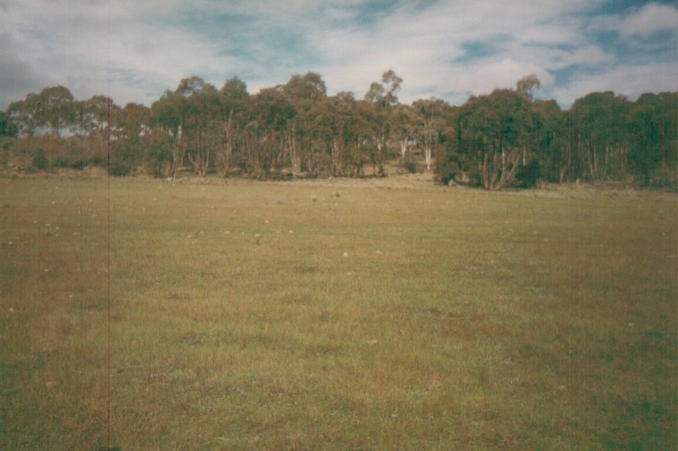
(505, 138)
(508, 138)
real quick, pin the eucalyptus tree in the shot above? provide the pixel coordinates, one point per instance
(492, 126)
(130, 128)
(555, 153)
(55, 109)
(351, 134)
(654, 138)
(234, 109)
(324, 139)
(382, 98)
(200, 105)
(429, 126)
(361, 133)
(93, 116)
(168, 117)
(25, 114)
(600, 121)
(307, 94)
(404, 126)
(188, 120)
(272, 112)
(526, 85)
(336, 128)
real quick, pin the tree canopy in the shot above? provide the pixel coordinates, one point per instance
(504, 138)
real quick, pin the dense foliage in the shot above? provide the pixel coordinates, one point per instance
(505, 138)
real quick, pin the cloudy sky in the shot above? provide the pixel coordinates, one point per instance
(134, 50)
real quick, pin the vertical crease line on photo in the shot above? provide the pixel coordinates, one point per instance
(108, 247)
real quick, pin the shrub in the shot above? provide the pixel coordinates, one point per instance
(40, 161)
(527, 175)
(60, 162)
(119, 169)
(78, 164)
(98, 160)
(410, 163)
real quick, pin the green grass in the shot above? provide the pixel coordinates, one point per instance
(301, 315)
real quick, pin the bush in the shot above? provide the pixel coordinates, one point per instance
(449, 170)
(98, 160)
(78, 164)
(119, 169)
(40, 161)
(410, 163)
(60, 162)
(527, 175)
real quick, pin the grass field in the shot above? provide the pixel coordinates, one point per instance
(335, 315)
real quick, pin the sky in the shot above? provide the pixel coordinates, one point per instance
(135, 50)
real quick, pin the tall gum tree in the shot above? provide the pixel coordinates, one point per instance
(168, 116)
(233, 106)
(430, 123)
(56, 109)
(404, 120)
(492, 125)
(382, 97)
(307, 93)
(272, 112)
(26, 114)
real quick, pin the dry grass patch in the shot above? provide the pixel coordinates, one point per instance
(249, 315)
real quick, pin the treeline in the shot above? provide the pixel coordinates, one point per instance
(506, 138)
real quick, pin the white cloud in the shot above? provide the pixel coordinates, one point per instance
(421, 47)
(134, 50)
(650, 19)
(630, 81)
(111, 49)
(645, 21)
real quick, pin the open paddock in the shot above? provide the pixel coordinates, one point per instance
(335, 315)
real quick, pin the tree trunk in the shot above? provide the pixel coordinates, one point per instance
(403, 149)
(335, 156)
